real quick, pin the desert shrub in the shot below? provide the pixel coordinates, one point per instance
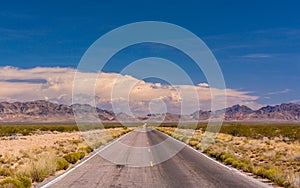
(86, 149)
(198, 146)
(270, 173)
(243, 165)
(11, 182)
(74, 157)
(224, 156)
(96, 144)
(228, 161)
(176, 136)
(19, 182)
(5, 172)
(236, 163)
(259, 171)
(281, 181)
(211, 153)
(236, 130)
(26, 182)
(193, 142)
(7, 130)
(257, 130)
(185, 139)
(246, 167)
(62, 164)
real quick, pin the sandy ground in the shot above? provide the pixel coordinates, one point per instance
(13, 146)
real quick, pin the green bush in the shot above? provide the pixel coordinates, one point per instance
(89, 149)
(224, 156)
(246, 167)
(228, 161)
(62, 164)
(281, 181)
(270, 174)
(276, 176)
(198, 146)
(5, 172)
(26, 182)
(193, 142)
(96, 144)
(11, 182)
(20, 182)
(253, 130)
(211, 153)
(86, 149)
(74, 157)
(236, 163)
(259, 171)
(7, 130)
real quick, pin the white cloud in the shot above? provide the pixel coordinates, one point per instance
(203, 85)
(59, 81)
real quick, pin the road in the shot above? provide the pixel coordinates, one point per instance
(139, 160)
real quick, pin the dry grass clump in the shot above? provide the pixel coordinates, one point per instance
(96, 138)
(275, 158)
(37, 160)
(39, 167)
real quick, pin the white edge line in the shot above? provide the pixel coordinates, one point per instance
(221, 164)
(103, 147)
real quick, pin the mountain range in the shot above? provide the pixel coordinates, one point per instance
(45, 111)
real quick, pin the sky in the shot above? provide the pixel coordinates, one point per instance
(256, 43)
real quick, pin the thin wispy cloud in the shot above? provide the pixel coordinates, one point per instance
(279, 92)
(295, 101)
(231, 47)
(255, 56)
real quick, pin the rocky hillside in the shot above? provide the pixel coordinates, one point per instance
(44, 111)
(282, 112)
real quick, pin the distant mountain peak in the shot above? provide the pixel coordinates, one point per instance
(281, 112)
(45, 111)
(239, 108)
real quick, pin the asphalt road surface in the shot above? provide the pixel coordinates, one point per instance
(139, 159)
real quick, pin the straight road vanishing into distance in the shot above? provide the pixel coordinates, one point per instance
(130, 166)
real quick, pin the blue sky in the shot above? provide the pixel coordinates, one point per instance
(257, 43)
